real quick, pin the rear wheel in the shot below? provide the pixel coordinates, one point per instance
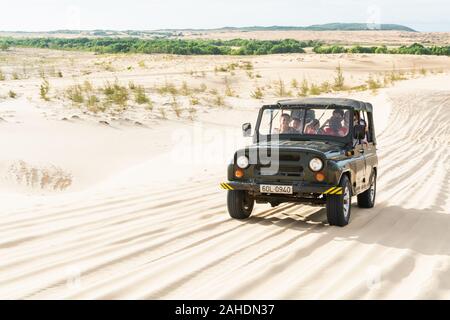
(240, 204)
(367, 198)
(339, 205)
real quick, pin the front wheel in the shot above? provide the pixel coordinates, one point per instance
(339, 205)
(240, 204)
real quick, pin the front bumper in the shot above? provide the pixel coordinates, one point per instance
(298, 188)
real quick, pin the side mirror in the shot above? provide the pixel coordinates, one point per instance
(247, 130)
(359, 131)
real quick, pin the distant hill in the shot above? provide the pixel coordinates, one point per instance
(358, 26)
(316, 27)
(168, 33)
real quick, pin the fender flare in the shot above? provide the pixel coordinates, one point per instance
(348, 172)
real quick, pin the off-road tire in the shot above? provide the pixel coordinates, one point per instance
(240, 204)
(367, 198)
(339, 205)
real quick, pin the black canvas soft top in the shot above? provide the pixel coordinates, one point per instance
(339, 102)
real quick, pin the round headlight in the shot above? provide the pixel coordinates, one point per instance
(316, 164)
(242, 162)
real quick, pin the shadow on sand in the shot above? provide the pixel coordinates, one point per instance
(424, 231)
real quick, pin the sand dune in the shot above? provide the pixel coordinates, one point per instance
(153, 233)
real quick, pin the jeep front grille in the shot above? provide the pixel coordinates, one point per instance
(289, 165)
(283, 171)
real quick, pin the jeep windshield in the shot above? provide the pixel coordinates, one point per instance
(305, 122)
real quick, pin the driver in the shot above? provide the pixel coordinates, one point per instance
(285, 120)
(335, 126)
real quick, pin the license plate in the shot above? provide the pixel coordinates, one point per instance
(270, 188)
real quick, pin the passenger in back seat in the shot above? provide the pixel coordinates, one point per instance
(312, 127)
(297, 125)
(334, 124)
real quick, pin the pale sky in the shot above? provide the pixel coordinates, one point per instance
(46, 15)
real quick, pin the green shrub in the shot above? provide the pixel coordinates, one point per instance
(339, 79)
(168, 88)
(185, 90)
(131, 85)
(382, 49)
(139, 95)
(194, 101)
(93, 104)
(247, 65)
(149, 105)
(395, 75)
(329, 49)
(175, 106)
(116, 93)
(44, 90)
(325, 87)
(372, 83)
(314, 90)
(229, 92)
(361, 87)
(75, 94)
(257, 94)
(304, 88)
(219, 101)
(4, 46)
(87, 86)
(294, 83)
(280, 89)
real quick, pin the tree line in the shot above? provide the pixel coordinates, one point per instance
(415, 48)
(168, 46)
(210, 47)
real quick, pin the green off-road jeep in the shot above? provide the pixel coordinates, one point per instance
(318, 151)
